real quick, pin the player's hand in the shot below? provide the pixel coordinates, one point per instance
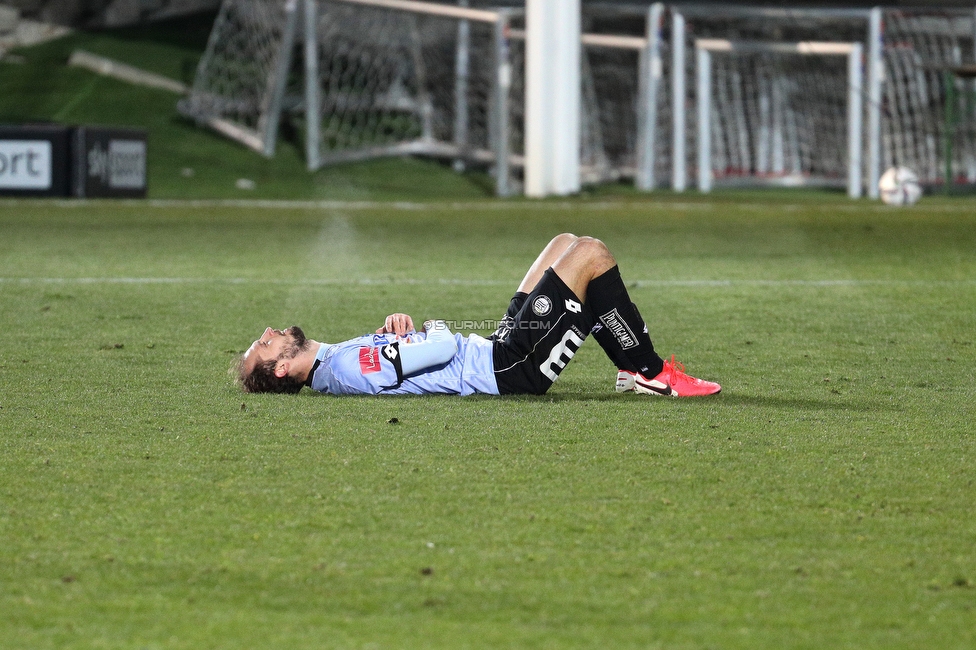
(398, 324)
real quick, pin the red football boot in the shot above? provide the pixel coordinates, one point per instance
(672, 381)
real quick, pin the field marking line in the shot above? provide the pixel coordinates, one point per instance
(803, 283)
(482, 204)
(295, 282)
(475, 282)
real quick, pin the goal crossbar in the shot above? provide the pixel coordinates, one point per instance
(803, 47)
(853, 51)
(487, 16)
(432, 9)
(598, 40)
(775, 13)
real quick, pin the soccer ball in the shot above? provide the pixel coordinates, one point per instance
(899, 186)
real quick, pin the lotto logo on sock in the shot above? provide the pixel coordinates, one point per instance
(618, 327)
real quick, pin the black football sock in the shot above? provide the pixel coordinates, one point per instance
(619, 328)
(612, 349)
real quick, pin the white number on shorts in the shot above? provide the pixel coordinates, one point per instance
(561, 354)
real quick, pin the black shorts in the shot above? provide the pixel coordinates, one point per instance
(532, 347)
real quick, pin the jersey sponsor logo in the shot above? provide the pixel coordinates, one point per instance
(573, 306)
(542, 305)
(561, 354)
(624, 335)
(369, 359)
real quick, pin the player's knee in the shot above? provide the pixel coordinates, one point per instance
(591, 243)
(594, 250)
(563, 240)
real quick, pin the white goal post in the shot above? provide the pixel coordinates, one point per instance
(775, 125)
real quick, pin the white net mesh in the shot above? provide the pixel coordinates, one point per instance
(610, 88)
(928, 118)
(235, 78)
(393, 81)
(776, 116)
(779, 116)
(388, 81)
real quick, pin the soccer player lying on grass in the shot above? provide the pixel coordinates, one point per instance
(572, 289)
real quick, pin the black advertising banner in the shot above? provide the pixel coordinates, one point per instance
(109, 162)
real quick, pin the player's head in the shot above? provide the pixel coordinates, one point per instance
(260, 368)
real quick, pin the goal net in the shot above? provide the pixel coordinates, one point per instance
(406, 80)
(794, 125)
(410, 77)
(929, 116)
(371, 78)
(778, 117)
(238, 86)
(364, 78)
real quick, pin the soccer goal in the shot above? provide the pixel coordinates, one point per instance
(371, 78)
(394, 77)
(918, 110)
(801, 128)
(358, 79)
(400, 76)
(239, 87)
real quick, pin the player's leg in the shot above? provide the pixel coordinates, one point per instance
(552, 252)
(555, 249)
(547, 329)
(542, 339)
(589, 269)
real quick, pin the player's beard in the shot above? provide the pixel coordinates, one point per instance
(297, 345)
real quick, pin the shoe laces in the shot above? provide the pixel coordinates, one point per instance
(676, 370)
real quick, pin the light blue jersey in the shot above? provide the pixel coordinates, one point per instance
(370, 365)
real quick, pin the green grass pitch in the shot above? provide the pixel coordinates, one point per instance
(824, 500)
